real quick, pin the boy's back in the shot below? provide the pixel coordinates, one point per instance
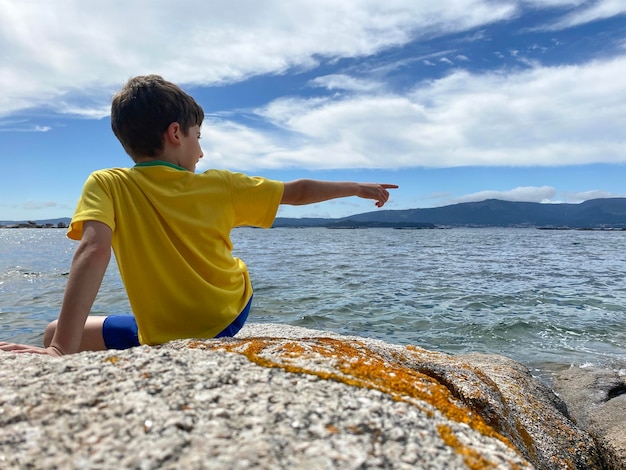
(171, 238)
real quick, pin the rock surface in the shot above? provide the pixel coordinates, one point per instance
(596, 398)
(282, 397)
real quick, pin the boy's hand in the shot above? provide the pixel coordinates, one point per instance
(25, 348)
(376, 191)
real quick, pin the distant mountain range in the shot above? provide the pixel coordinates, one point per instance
(36, 223)
(592, 214)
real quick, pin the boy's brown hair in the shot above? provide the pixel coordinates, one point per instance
(143, 110)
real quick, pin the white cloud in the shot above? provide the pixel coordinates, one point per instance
(346, 82)
(520, 194)
(575, 197)
(54, 48)
(22, 125)
(598, 10)
(554, 3)
(233, 146)
(579, 12)
(541, 194)
(96, 111)
(548, 116)
(69, 56)
(38, 205)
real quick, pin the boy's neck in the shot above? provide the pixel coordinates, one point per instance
(162, 160)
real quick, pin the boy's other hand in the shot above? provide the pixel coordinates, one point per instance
(25, 348)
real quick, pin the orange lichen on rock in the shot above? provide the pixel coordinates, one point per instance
(474, 460)
(353, 363)
(112, 359)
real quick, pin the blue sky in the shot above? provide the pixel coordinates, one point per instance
(454, 100)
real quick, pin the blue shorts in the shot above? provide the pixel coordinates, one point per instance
(120, 331)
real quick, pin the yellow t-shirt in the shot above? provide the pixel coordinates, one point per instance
(171, 239)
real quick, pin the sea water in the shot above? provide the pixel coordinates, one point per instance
(548, 299)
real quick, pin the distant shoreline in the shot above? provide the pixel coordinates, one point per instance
(60, 225)
(594, 214)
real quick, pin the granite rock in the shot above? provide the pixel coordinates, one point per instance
(282, 397)
(596, 398)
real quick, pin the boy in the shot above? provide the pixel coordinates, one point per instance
(169, 229)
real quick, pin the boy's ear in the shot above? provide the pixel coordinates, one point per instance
(173, 134)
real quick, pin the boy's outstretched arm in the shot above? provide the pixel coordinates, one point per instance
(88, 267)
(300, 192)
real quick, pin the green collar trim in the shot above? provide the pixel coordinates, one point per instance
(160, 163)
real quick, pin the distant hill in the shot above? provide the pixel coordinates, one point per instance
(595, 213)
(55, 222)
(592, 214)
